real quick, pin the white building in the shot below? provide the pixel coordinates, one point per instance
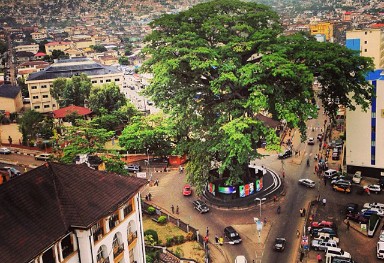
(60, 213)
(365, 133)
(40, 83)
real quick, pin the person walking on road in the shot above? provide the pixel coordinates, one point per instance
(177, 209)
(348, 224)
(301, 212)
(324, 201)
(173, 209)
(297, 233)
(319, 258)
(207, 231)
(304, 212)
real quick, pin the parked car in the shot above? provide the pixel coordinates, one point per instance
(357, 177)
(320, 136)
(341, 188)
(200, 206)
(322, 224)
(340, 182)
(327, 230)
(12, 170)
(381, 182)
(133, 168)
(335, 252)
(187, 190)
(368, 213)
(285, 154)
(330, 173)
(43, 157)
(381, 236)
(358, 218)
(374, 205)
(339, 259)
(380, 250)
(231, 234)
(307, 182)
(240, 259)
(326, 237)
(4, 150)
(280, 243)
(318, 244)
(335, 156)
(378, 211)
(311, 141)
(352, 208)
(375, 188)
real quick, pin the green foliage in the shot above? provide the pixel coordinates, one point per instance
(98, 48)
(124, 60)
(153, 233)
(151, 210)
(169, 241)
(179, 252)
(149, 258)
(162, 220)
(153, 132)
(220, 63)
(108, 97)
(28, 124)
(113, 163)
(3, 46)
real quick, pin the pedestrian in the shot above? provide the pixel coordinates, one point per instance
(207, 231)
(157, 182)
(177, 209)
(348, 225)
(265, 220)
(216, 239)
(146, 197)
(319, 258)
(221, 240)
(10, 140)
(149, 196)
(325, 181)
(173, 209)
(324, 201)
(304, 212)
(283, 175)
(19, 142)
(274, 198)
(301, 212)
(297, 233)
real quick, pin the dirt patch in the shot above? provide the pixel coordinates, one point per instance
(189, 249)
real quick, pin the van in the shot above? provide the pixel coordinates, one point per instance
(335, 252)
(380, 250)
(357, 177)
(330, 173)
(240, 259)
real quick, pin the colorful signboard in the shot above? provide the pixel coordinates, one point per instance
(227, 189)
(245, 190)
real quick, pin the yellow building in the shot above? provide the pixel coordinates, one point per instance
(49, 47)
(34, 48)
(323, 28)
(10, 98)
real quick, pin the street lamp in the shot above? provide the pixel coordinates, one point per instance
(260, 200)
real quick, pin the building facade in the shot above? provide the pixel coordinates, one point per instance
(62, 46)
(365, 140)
(369, 42)
(34, 48)
(72, 214)
(323, 28)
(10, 98)
(40, 83)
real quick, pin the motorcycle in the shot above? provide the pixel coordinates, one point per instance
(308, 162)
(278, 209)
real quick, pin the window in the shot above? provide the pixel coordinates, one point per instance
(53, 105)
(365, 42)
(365, 50)
(116, 80)
(366, 32)
(35, 97)
(101, 81)
(108, 80)
(373, 115)
(46, 106)
(94, 81)
(33, 87)
(51, 86)
(43, 86)
(36, 107)
(373, 143)
(128, 209)
(45, 96)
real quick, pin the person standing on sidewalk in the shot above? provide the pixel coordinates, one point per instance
(319, 258)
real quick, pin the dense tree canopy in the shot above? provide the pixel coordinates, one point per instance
(71, 91)
(108, 97)
(220, 63)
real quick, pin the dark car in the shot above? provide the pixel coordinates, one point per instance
(200, 206)
(231, 234)
(280, 243)
(285, 154)
(335, 156)
(327, 230)
(358, 218)
(159, 160)
(13, 171)
(352, 208)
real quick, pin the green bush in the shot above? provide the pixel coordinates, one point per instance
(180, 239)
(151, 210)
(169, 241)
(153, 233)
(148, 258)
(162, 220)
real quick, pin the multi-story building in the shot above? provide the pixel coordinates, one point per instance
(322, 28)
(71, 213)
(34, 48)
(62, 46)
(370, 43)
(40, 83)
(10, 98)
(365, 140)
(37, 36)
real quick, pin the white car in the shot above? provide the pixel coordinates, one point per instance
(373, 188)
(357, 177)
(307, 182)
(374, 205)
(318, 244)
(381, 236)
(379, 211)
(326, 237)
(4, 150)
(311, 141)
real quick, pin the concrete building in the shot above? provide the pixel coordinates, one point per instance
(39, 83)
(10, 98)
(365, 141)
(323, 28)
(34, 48)
(370, 43)
(49, 47)
(73, 214)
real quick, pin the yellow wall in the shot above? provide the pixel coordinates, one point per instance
(322, 28)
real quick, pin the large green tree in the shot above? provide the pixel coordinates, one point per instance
(71, 91)
(220, 63)
(108, 97)
(28, 124)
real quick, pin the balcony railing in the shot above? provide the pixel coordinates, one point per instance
(103, 260)
(97, 235)
(118, 250)
(132, 237)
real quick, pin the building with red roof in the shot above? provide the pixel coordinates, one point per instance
(63, 112)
